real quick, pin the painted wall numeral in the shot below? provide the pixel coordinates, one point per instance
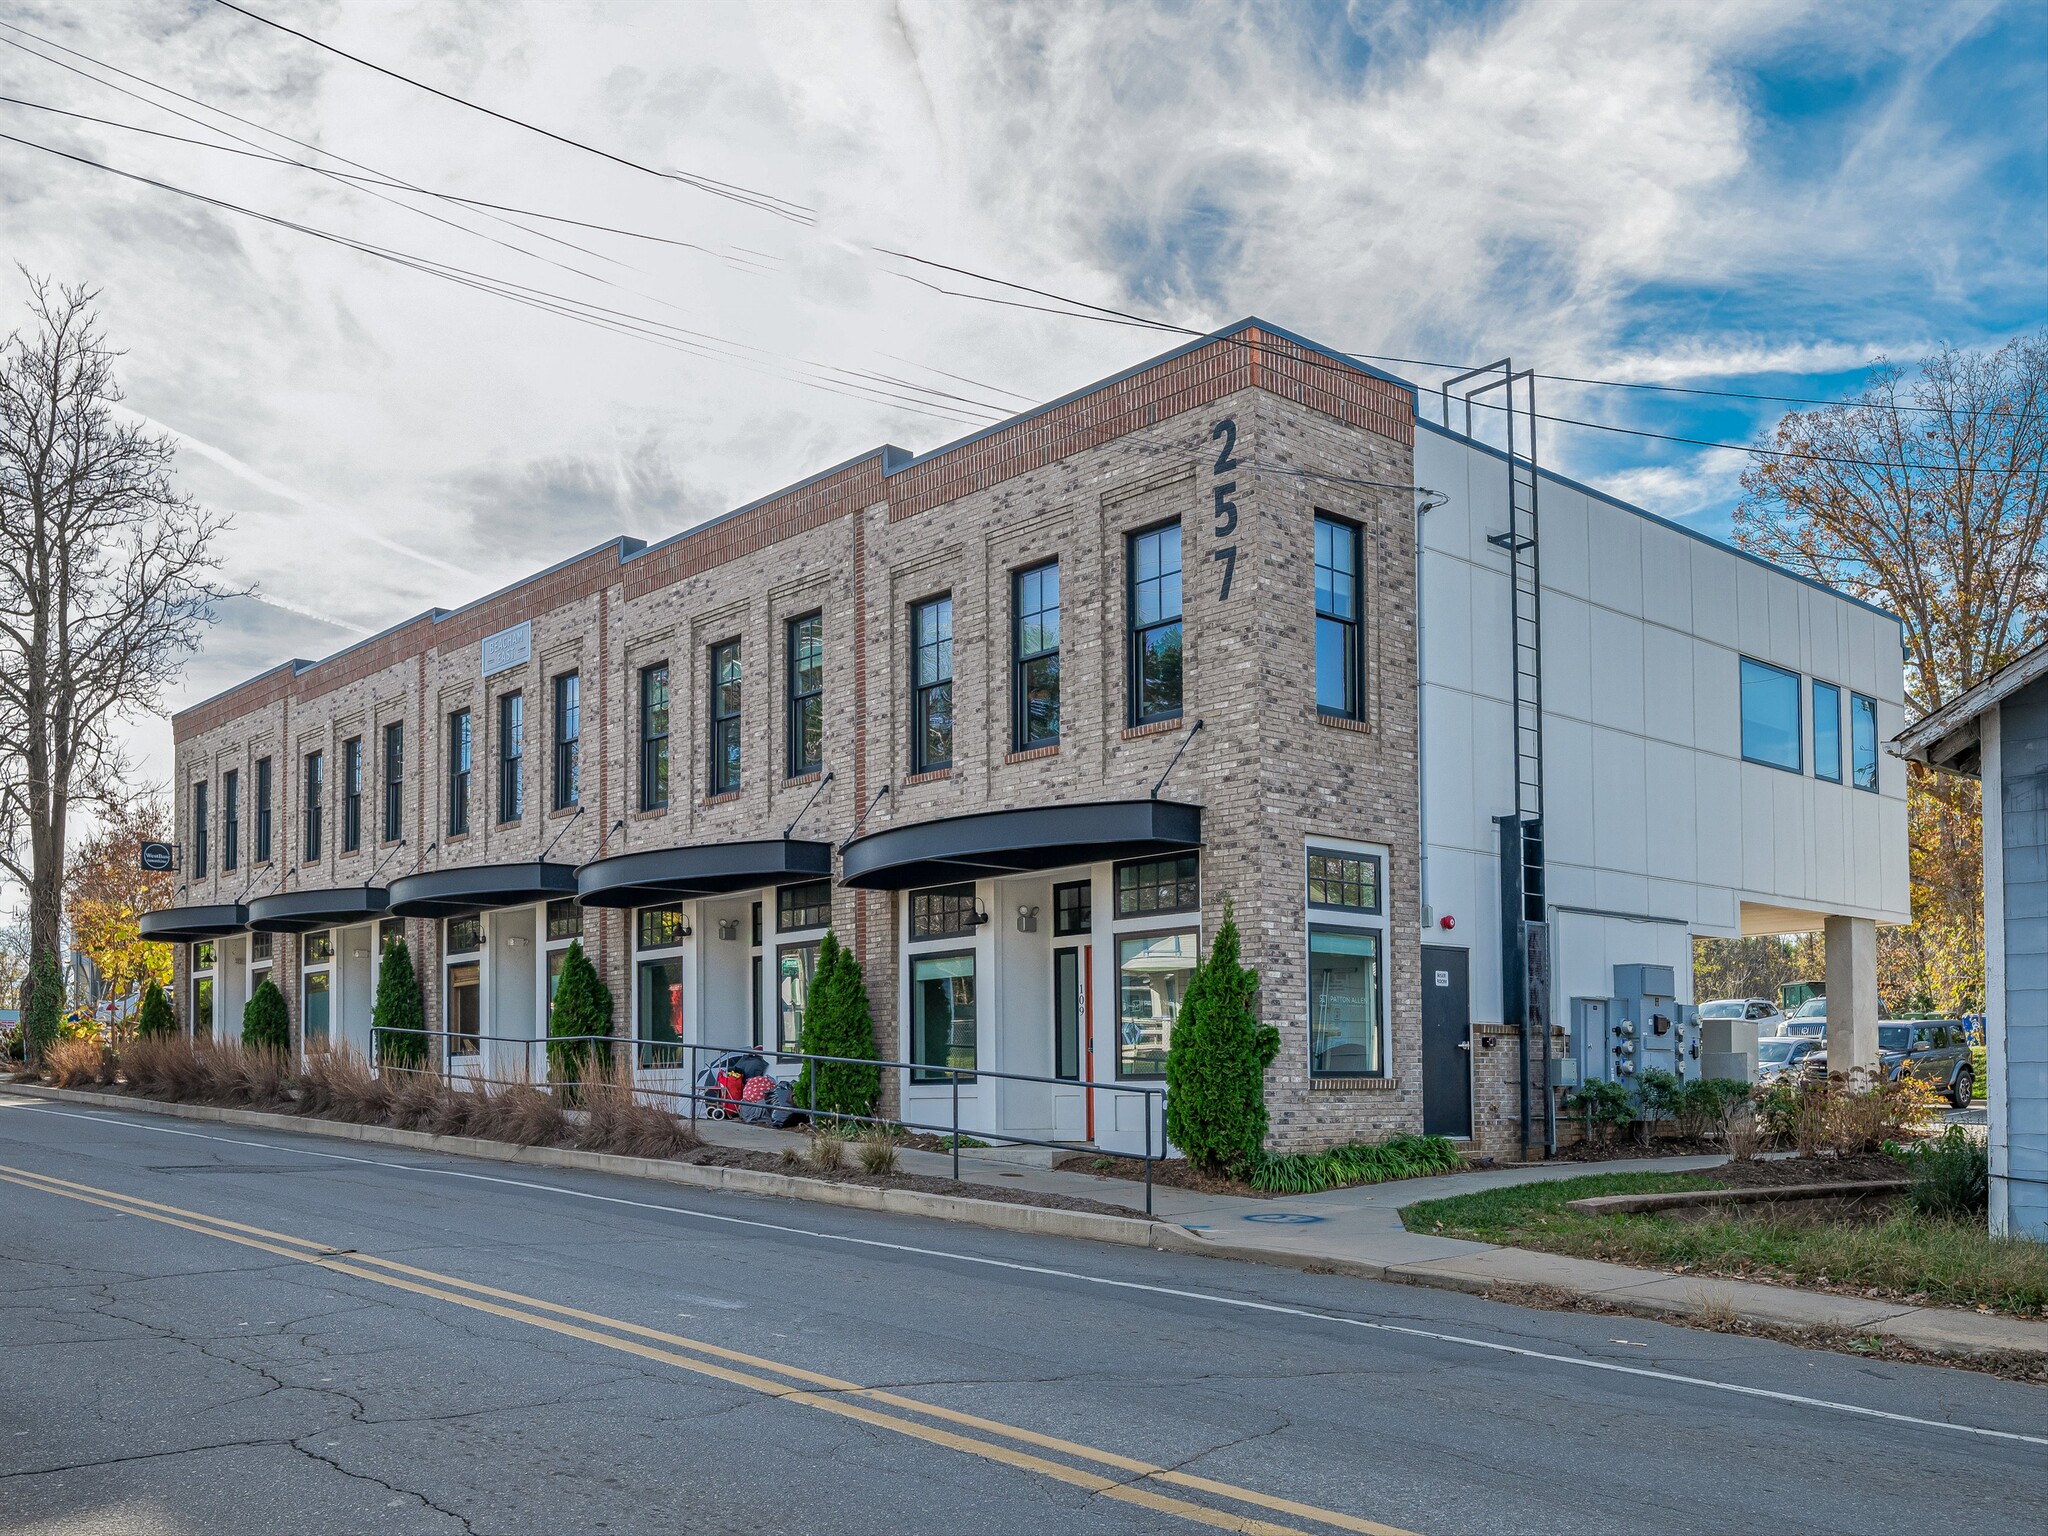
(1226, 429)
(1226, 509)
(1225, 432)
(1228, 555)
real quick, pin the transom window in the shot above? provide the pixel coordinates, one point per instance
(806, 694)
(944, 912)
(261, 947)
(931, 685)
(1770, 716)
(565, 920)
(465, 935)
(1035, 643)
(799, 907)
(1343, 882)
(725, 717)
(654, 736)
(661, 927)
(390, 931)
(1340, 653)
(319, 947)
(568, 740)
(1073, 908)
(1153, 562)
(1146, 886)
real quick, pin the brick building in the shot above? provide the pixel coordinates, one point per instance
(1016, 718)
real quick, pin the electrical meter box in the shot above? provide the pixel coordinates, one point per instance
(1648, 1016)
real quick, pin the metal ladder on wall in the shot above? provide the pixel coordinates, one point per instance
(1525, 931)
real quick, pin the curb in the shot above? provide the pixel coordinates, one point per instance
(1490, 1273)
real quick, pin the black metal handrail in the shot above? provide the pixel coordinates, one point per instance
(574, 1043)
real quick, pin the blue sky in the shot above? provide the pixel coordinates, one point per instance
(1750, 196)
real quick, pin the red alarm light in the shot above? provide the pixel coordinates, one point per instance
(1447, 922)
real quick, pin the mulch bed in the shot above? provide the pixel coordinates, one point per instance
(1170, 1173)
(1760, 1173)
(773, 1162)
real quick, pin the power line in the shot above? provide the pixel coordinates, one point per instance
(766, 202)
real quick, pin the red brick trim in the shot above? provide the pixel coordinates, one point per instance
(1156, 728)
(798, 780)
(725, 799)
(1339, 723)
(1032, 756)
(933, 777)
(1353, 1084)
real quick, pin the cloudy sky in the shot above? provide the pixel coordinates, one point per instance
(1738, 195)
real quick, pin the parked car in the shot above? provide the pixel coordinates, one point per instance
(1937, 1051)
(1790, 1054)
(1809, 1020)
(1759, 1010)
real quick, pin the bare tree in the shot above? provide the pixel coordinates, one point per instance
(107, 578)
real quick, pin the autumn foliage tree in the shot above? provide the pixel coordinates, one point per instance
(106, 891)
(1927, 495)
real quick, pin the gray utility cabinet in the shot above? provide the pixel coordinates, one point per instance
(1641, 1027)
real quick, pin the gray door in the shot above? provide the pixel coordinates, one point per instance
(1446, 1042)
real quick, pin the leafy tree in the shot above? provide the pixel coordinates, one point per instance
(42, 1007)
(582, 1007)
(265, 1023)
(838, 1022)
(106, 891)
(1216, 1063)
(398, 1024)
(107, 582)
(156, 1018)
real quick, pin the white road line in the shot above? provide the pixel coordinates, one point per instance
(1275, 1308)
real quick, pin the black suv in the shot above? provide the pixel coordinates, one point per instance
(1935, 1051)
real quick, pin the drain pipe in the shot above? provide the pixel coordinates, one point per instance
(1429, 502)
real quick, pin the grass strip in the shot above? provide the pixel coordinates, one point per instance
(1921, 1260)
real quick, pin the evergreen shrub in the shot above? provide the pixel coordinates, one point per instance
(266, 1026)
(583, 1006)
(838, 1022)
(1216, 1062)
(155, 1019)
(398, 1024)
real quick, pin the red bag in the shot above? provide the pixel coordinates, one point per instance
(731, 1084)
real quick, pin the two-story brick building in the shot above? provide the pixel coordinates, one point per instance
(1017, 718)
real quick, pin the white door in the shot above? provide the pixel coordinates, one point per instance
(514, 996)
(356, 957)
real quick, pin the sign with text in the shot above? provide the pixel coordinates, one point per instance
(158, 857)
(507, 648)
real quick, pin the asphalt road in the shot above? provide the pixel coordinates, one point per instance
(219, 1331)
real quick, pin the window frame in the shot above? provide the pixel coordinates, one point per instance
(1814, 691)
(352, 795)
(311, 838)
(511, 756)
(197, 972)
(461, 754)
(927, 1074)
(796, 766)
(1327, 918)
(1136, 634)
(922, 692)
(1149, 931)
(1862, 708)
(230, 821)
(654, 745)
(1352, 628)
(394, 781)
(724, 743)
(946, 899)
(1138, 914)
(200, 819)
(1021, 663)
(784, 910)
(1076, 918)
(260, 828)
(566, 792)
(1798, 730)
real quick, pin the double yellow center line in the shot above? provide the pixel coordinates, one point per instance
(990, 1439)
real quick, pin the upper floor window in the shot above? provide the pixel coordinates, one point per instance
(1827, 731)
(316, 794)
(1863, 741)
(230, 820)
(931, 685)
(1340, 646)
(511, 756)
(1770, 715)
(568, 740)
(806, 694)
(459, 746)
(725, 717)
(198, 830)
(1035, 647)
(654, 736)
(352, 794)
(394, 782)
(1152, 560)
(262, 810)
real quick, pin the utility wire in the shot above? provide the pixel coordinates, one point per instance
(767, 202)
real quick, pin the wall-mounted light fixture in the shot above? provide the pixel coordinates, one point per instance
(1027, 919)
(517, 941)
(979, 915)
(728, 928)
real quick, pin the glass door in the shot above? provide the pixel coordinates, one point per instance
(1066, 1014)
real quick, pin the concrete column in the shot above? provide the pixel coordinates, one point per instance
(1852, 995)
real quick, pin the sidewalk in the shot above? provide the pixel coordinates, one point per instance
(1354, 1231)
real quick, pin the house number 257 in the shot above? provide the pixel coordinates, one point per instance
(1225, 432)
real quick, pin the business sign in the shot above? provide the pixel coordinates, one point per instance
(507, 648)
(158, 857)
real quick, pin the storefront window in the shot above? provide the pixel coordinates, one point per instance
(942, 1025)
(661, 1013)
(465, 1014)
(314, 1011)
(1147, 886)
(1344, 1002)
(202, 1007)
(1152, 978)
(795, 965)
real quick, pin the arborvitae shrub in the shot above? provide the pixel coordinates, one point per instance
(398, 1023)
(1216, 1063)
(265, 1023)
(583, 1006)
(838, 1022)
(155, 1018)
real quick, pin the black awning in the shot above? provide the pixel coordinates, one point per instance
(304, 911)
(993, 843)
(474, 887)
(663, 875)
(185, 925)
